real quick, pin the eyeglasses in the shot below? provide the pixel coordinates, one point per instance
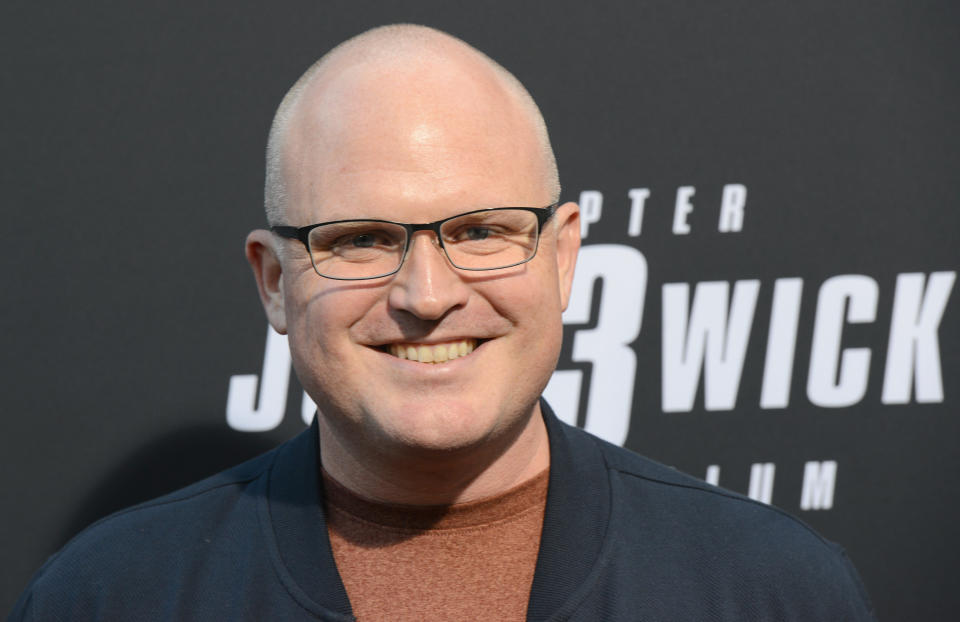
(485, 239)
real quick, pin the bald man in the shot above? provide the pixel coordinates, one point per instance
(419, 259)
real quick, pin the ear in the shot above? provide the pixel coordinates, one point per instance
(268, 271)
(568, 245)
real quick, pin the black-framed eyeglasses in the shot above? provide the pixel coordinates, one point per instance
(484, 239)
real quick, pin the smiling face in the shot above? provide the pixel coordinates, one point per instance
(431, 359)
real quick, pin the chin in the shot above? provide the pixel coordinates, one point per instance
(439, 426)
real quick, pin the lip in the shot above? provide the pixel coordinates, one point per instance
(432, 341)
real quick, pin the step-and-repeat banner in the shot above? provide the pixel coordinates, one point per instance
(765, 297)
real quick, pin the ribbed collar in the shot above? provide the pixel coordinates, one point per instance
(574, 524)
(505, 506)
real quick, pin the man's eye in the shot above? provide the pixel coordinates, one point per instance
(364, 240)
(477, 233)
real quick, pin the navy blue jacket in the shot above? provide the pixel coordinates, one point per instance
(624, 538)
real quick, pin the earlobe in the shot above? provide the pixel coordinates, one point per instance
(268, 272)
(568, 245)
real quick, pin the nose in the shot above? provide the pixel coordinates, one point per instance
(427, 285)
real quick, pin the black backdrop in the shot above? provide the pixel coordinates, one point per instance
(824, 137)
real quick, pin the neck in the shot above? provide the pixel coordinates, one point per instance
(417, 478)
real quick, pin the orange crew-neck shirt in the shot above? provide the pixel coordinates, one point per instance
(466, 561)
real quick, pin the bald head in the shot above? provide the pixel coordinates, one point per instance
(401, 88)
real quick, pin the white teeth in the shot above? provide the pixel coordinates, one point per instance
(426, 354)
(439, 353)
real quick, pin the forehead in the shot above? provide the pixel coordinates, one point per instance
(416, 142)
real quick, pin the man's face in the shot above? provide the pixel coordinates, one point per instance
(416, 159)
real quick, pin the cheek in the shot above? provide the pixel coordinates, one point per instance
(533, 299)
(543, 324)
(319, 320)
(323, 353)
(532, 306)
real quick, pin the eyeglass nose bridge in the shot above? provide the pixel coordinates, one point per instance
(438, 241)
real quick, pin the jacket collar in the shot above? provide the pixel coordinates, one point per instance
(574, 524)
(575, 520)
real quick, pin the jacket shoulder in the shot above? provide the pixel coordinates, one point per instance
(748, 550)
(121, 555)
(653, 480)
(191, 497)
(651, 483)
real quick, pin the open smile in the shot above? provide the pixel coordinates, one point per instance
(434, 352)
